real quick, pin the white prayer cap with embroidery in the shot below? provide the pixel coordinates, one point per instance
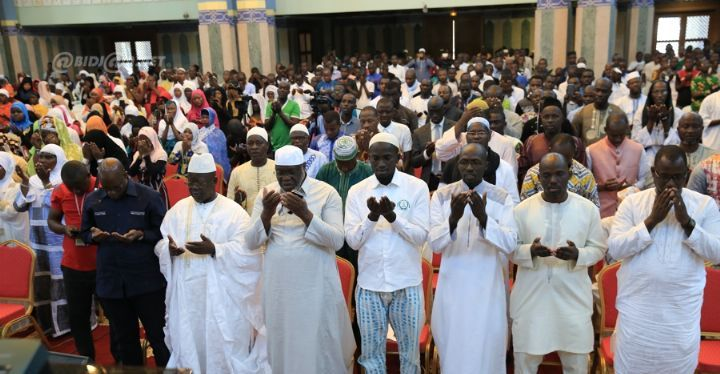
(385, 137)
(259, 131)
(289, 155)
(201, 163)
(299, 128)
(633, 75)
(479, 120)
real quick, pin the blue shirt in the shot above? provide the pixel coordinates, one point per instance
(325, 86)
(126, 269)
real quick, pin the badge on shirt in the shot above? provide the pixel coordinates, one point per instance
(79, 242)
(403, 204)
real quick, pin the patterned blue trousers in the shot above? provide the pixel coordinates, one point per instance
(404, 309)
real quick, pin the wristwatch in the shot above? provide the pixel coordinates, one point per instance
(690, 225)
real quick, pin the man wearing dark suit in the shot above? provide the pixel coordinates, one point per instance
(424, 140)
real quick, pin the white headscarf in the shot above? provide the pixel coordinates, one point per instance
(179, 121)
(273, 89)
(158, 152)
(7, 162)
(55, 178)
(197, 146)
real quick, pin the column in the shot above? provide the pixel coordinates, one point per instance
(642, 13)
(256, 39)
(10, 60)
(595, 32)
(216, 31)
(551, 26)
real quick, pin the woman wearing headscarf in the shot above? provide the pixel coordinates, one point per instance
(199, 102)
(74, 129)
(24, 90)
(96, 123)
(186, 148)
(20, 123)
(52, 130)
(98, 146)
(34, 197)
(170, 128)
(96, 96)
(14, 225)
(215, 140)
(178, 96)
(149, 160)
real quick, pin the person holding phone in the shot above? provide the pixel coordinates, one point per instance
(78, 260)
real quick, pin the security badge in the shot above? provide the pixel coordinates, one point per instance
(403, 204)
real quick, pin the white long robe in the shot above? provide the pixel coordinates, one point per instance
(14, 225)
(551, 303)
(214, 317)
(307, 320)
(469, 318)
(661, 283)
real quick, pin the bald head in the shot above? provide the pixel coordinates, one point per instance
(554, 174)
(111, 166)
(474, 150)
(435, 103)
(552, 160)
(691, 117)
(472, 163)
(113, 178)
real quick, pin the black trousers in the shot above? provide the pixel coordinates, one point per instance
(124, 314)
(79, 290)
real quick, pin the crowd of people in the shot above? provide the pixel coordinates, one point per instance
(522, 176)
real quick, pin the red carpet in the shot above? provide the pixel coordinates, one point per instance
(101, 337)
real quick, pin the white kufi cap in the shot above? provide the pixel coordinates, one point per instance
(385, 137)
(201, 163)
(289, 155)
(259, 131)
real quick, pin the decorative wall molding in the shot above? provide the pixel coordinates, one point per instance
(592, 3)
(551, 4)
(253, 16)
(213, 17)
(643, 3)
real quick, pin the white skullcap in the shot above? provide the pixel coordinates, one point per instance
(259, 131)
(617, 70)
(118, 89)
(201, 163)
(132, 110)
(421, 50)
(479, 120)
(633, 75)
(4, 92)
(289, 155)
(299, 128)
(581, 65)
(385, 137)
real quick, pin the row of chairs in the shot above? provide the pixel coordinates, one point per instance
(177, 187)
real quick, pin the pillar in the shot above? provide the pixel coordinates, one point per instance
(216, 31)
(256, 39)
(642, 13)
(10, 57)
(595, 32)
(551, 24)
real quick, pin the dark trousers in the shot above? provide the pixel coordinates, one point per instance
(79, 290)
(123, 315)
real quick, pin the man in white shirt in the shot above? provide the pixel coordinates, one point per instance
(512, 93)
(410, 86)
(386, 221)
(634, 101)
(401, 132)
(419, 102)
(710, 112)
(551, 304)
(396, 69)
(638, 64)
(663, 236)
(299, 92)
(314, 160)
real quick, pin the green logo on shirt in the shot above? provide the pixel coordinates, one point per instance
(404, 204)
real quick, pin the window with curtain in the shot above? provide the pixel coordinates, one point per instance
(129, 53)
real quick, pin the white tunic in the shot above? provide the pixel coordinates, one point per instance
(551, 302)
(469, 318)
(213, 304)
(307, 320)
(14, 225)
(661, 283)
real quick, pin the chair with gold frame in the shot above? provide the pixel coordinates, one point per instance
(347, 281)
(709, 358)
(608, 289)
(17, 266)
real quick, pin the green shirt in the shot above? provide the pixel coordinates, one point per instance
(280, 132)
(341, 182)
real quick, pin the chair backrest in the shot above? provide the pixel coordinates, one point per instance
(347, 279)
(17, 266)
(220, 174)
(177, 188)
(710, 313)
(171, 169)
(608, 288)
(427, 272)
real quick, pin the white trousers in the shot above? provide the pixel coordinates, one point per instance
(572, 363)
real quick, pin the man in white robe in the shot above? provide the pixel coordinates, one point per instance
(662, 236)
(475, 235)
(551, 304)
(314, 160)
(213, 302)
(300, 221)
(454, 139)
